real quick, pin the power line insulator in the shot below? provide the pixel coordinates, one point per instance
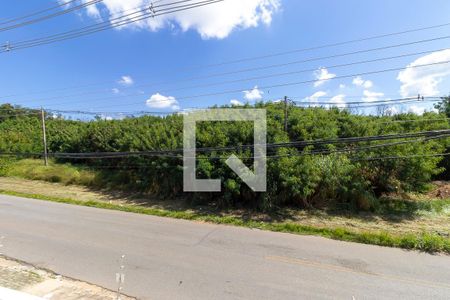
(151, 9)
(7, 47)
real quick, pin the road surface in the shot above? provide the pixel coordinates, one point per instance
(175, 259)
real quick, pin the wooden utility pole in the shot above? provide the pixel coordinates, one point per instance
(44, 137)
(285, 113)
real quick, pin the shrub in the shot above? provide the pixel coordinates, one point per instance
(294, 177)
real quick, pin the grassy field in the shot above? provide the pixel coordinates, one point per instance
(34, 169)
(420, 223)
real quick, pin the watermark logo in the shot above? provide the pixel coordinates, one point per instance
(255, 179)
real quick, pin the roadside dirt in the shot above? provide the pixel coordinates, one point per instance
(441, 191)
(83, 193)
(30, 280)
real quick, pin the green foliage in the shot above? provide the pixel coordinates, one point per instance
(5, 165)
(346, 180)
(444, 106)
(61, 173)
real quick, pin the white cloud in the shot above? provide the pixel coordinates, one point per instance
(338, 101)
(106, 117)
(92, 10)
(418, 110)
(126, 81)
(217, 20)
(115, 91)
(159, 101)
(236, 102)
(358, 81)
(342, 86)
(371, 96)
(253, 95)
(322, 75)
(315, 97)
(392, 110)
(424, 80)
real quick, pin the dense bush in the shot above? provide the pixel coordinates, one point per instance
(294, 177)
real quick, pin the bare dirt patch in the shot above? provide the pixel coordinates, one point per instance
(33, 281)
(440, 191)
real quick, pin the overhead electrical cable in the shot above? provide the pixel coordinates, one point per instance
(402, 157)
(145, 14)
(38, 12)
(286, 84)
(109, 22)
(399, 101)
(268, 86)
(320, 142)
(53, 15)
(208, 76)
(373, 37)
(257, 77)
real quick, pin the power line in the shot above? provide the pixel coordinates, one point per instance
(313, 81)
(245, 70)
(326, 45)
(300, 82)
(264, 76)
(402, 157)
(38, 12)
(301, 62)
(384, 101)
(108, 22)
(416, 120)
(320, 142)
(145, 11)
(347, 140)
(367, 104)
(312, 103)
(98, 113)
(431, 135)
(145, 14)
(302, 71)
(391, 102)
(330, 45)
(271, 86)
(361, 104)
(405, 157)
(56, 14)
(145, 113)
(99, 155)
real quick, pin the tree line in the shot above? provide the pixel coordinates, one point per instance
(308, 176)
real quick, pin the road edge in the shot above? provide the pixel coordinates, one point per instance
(425, 242)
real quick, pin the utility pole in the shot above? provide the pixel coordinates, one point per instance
(285, 113)
(44, 137)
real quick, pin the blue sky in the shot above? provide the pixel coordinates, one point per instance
(119, 70)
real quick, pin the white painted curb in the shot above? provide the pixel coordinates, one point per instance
(7, 294)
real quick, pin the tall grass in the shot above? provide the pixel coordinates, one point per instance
(61, 173)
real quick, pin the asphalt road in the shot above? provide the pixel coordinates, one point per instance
(174, 259)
